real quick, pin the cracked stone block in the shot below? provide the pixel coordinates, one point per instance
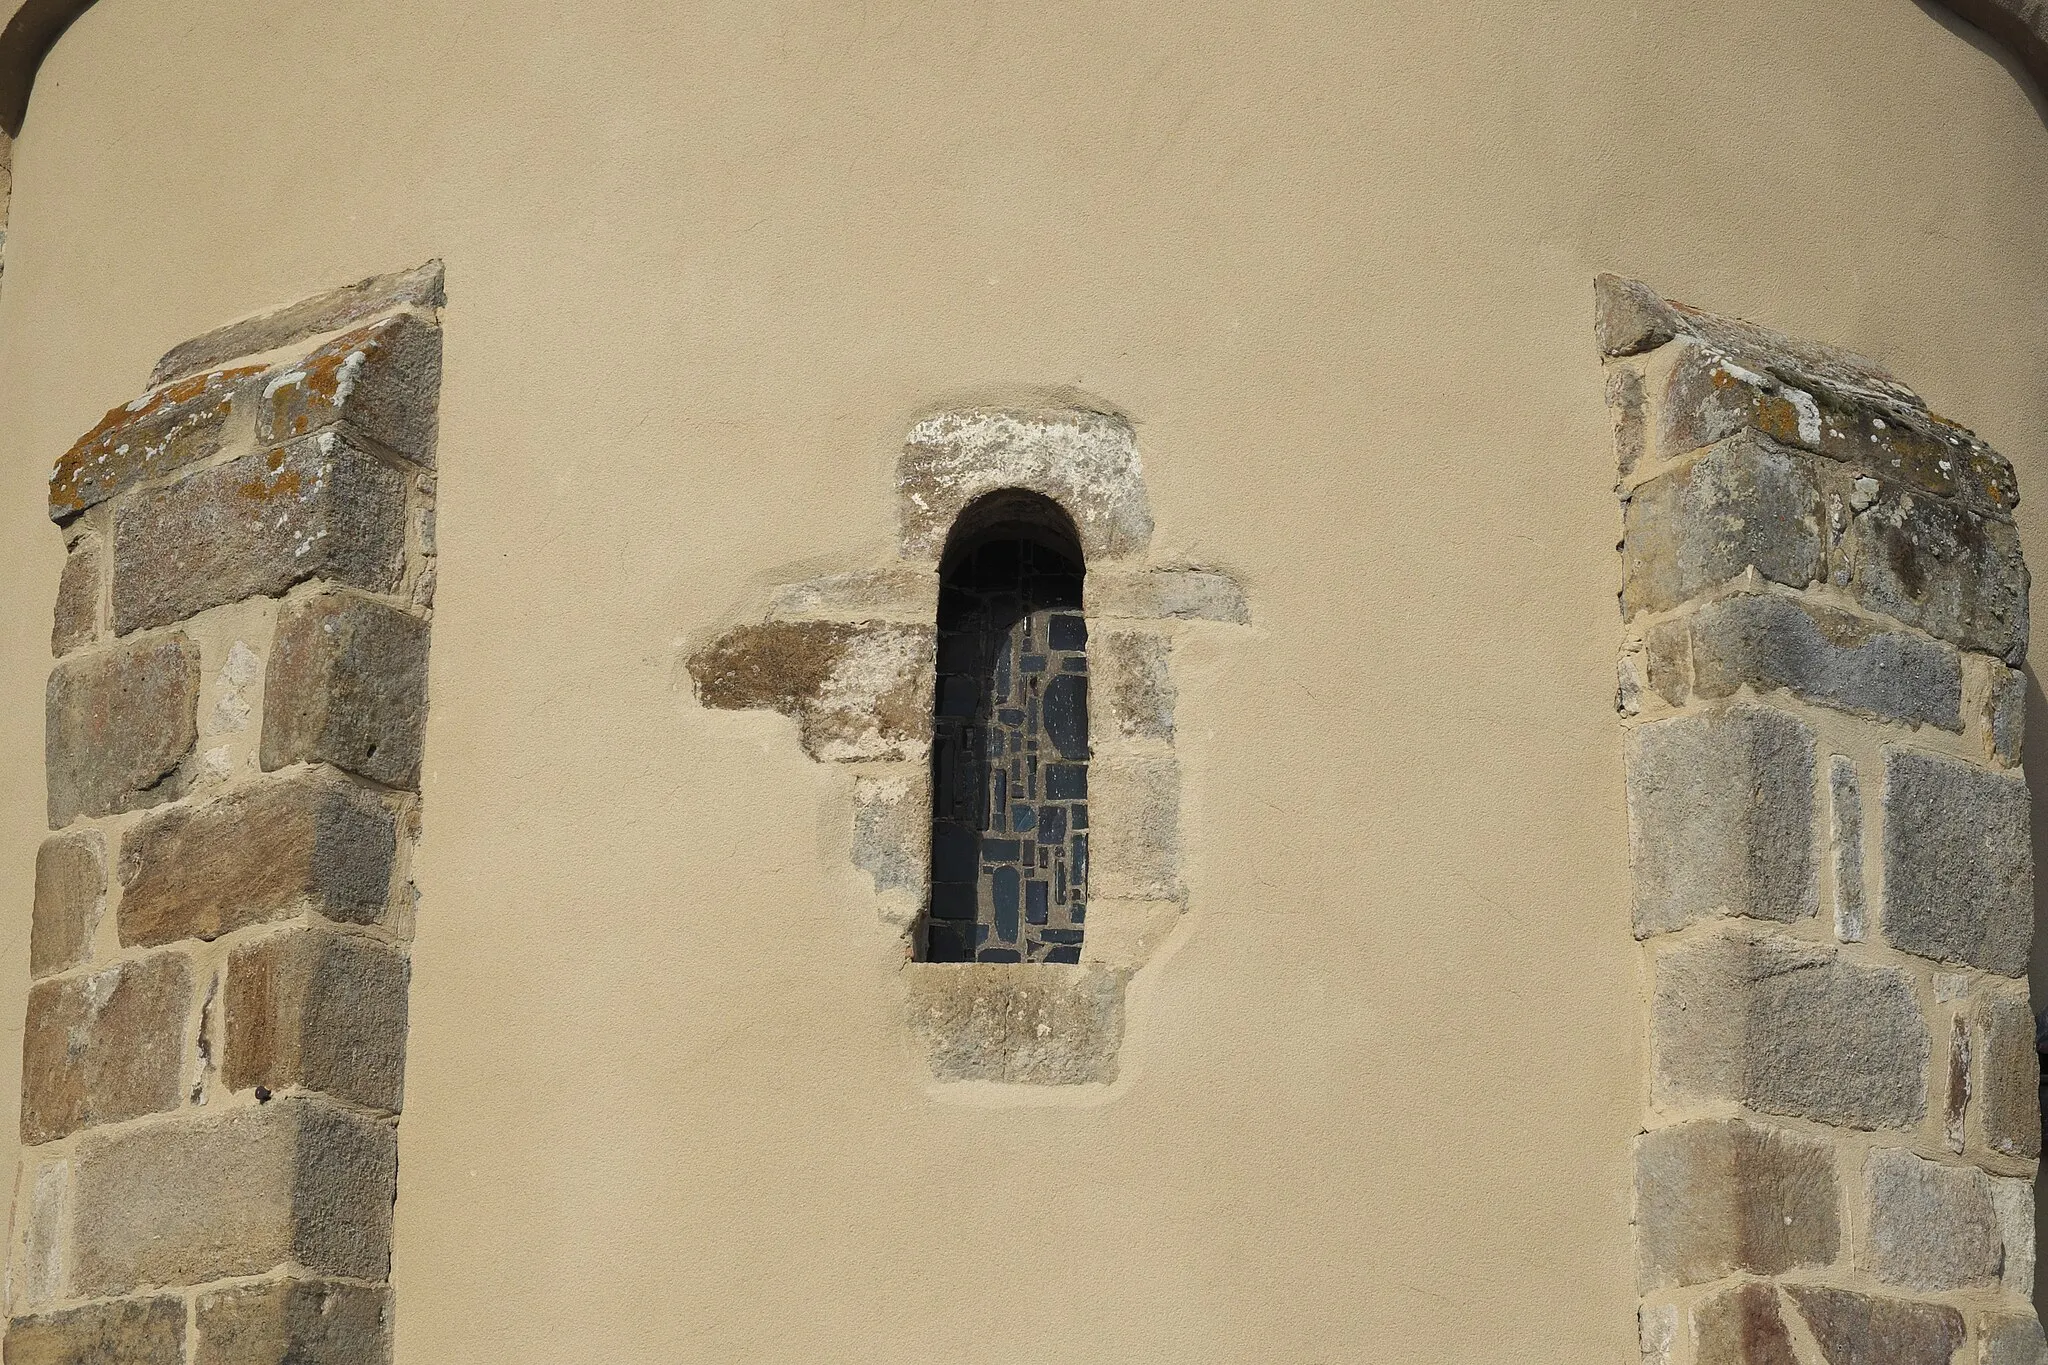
(1820, 655)
(119, 723)
(383, 379)
(76, 621)
(1626, 410)
(1657, 1333)
(1087, 462)
(1930, 1227)
(128, 1331)
(305, 840)
(1859, 1329)
(2011, 1339)
(1717, 1197)
(2012, 1200)
(1721, 819)
(347, 685)
(316, 1010)
(857, 691)
(294, 1322)
(317, 508)
(71, 894)
(1133, 664)
(1026, 1024)
(2011, 1104)
(1788, 1027)
(1940, 568)
(1958, 862)
(294, 1181)
(1744, 504)
(420, 287)
(159, 433)
(1741, 1326)
(859, 595)
(1167, 595)
(105, 1047)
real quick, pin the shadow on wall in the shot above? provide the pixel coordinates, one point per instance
(2023, 55)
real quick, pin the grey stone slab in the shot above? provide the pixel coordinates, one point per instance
(1721, 819)
(1929, 1227)
(347, 684)
(1958, 862)
(1845, 817)
(1933, 565)
(118, 725)
(1745, 503)
(1861, 1329)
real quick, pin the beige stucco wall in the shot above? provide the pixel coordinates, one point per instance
(706, 264)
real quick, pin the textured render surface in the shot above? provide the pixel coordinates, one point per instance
(1334, 264)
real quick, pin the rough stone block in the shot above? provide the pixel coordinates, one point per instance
(1956, 1104)
(347, 685)
(1857, 1329)
(178, 1203)
(1167, 595)
(2011, 1339)
(118, 724)
(317, 508)
(857, 691)
(2012, 1201)
(1741, 1326)
(306, 840)
(2011, 1103)
(1906, 444)
(124, 1332)
(318, 1010)
(1133, 664)
(383, 379)
(1721, 819)
(1029, 1024)
(1958, 862)
(294, 1322)
(76, 621)
(420, 287)
(1704, 396)
(1788, 1028)
(1629, 317)
(42, 1211)
(1745, 503)
(105, 1047)
(865, 594)
(2005, 714)
(71, 894)
(1845, 820)
(1930, 1227)
(1657, 1333)
(161, 432)
(1627, 412)
(1721, 1196)
(1830, 657)
(1134, 813)
(1087, 462)
(1941, 568)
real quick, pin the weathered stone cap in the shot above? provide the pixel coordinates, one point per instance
(421, 287)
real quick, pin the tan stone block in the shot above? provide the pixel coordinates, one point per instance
(1176, 594)
(104, 1047)
(1717, 1197)
(347, 685)
(1132, 665)
(303, 840)
(320, 1010)
(124, 1332)
(1929, 1227)
(1788, 1027)
(1030, 1024)
(191, 1200)
(71, 894)
(317, 508)
(42, 1210)
(77, 618)
(2008, 1338)
(857, 691)
(1857, 1329)
(1630, 317)
(2011, 1077)
(420, 287)
(1741, 1326)
(294, 1322)
(164, 430)
(383, 379)
(118, 723)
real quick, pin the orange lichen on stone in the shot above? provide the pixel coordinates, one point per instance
(176, 425)
(368, 377)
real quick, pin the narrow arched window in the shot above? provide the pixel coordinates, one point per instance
(1010, 738)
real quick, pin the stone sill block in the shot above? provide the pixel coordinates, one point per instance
(1022, 1024)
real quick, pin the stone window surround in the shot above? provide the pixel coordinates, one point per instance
(850, 657)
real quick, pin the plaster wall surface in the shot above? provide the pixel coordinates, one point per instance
(706, 266)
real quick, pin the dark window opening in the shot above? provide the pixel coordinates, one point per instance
(1009, 876)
